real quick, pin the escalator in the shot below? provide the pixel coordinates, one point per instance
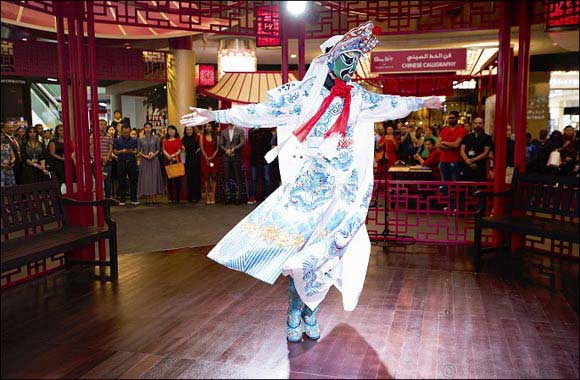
(45, 102)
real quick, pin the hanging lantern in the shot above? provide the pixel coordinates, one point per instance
(236, 55)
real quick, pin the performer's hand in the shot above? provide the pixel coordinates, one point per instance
(433, 103)
(199, 116)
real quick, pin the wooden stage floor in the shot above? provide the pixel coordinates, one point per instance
(179, 315)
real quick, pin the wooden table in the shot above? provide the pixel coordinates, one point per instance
(413, 173)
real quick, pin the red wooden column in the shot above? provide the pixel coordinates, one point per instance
(521, 96)
(479, 97)
(510, 96)
(302, 51)
(74, 14)
(73, 68)
(65, 116)
(284, 43)
(95, 123)
(489, 81)
(501, 108)
(83, 110)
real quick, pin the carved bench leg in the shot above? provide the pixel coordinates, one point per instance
(113, 255)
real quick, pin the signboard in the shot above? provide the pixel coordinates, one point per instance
(414, 61)
(205, 75)
(562, 15)
(267, 26)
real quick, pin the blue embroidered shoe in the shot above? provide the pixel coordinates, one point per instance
(311, 323)
(294, 325)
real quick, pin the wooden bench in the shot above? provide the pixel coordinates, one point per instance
(35, 227)
(539, 205)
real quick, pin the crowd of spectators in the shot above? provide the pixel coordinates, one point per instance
(456, 151)
(133, 161)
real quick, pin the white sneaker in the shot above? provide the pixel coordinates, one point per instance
(122, 203)
(137, 203)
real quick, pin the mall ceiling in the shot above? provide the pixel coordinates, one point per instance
(29, 22)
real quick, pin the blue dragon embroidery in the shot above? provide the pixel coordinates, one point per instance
(311, 287)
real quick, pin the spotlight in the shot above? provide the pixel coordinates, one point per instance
(296, 8)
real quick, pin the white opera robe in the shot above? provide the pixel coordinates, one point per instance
(313, 226)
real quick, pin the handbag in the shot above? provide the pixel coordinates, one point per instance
(175, 170)
(555, 159)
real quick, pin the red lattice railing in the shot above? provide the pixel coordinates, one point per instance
(422, 212)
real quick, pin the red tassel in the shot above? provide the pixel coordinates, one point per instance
(341, 90)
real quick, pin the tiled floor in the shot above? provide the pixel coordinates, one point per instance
(422, 314)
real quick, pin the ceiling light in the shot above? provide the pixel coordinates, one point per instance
(292, 55)
(24, 39)
(52, 79)
(296, 8)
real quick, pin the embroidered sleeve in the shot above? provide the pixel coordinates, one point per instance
(377, 107)
(283, 105)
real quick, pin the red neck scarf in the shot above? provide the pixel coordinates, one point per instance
(341, 90)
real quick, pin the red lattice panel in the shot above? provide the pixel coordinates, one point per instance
(34, 58)
(41, 6)
(402, 17)
(32, 270)
(421, 211)
(557, 247)
(226, 17)
(324, 18)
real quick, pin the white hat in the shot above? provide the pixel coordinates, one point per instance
(329, 43)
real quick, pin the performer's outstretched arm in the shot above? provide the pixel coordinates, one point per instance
(283, 105)
(377, 107)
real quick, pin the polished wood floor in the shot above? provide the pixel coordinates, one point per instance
(179, 315)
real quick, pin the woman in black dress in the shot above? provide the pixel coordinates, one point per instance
(191, 145)
(34, 156)
(56, 151)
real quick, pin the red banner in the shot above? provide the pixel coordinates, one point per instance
(267, 26)
(562, 15)
(413, 61)
(205, 75)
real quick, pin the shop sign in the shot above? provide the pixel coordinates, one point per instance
(413, 61)
(562, 15)
(205, 75)
(267, 26)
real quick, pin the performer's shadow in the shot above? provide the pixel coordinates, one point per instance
(342, 353)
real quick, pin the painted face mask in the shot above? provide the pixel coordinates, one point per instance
(345, 65)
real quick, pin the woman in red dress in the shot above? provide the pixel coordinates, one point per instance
(208, 145)
(172, 147)
(391, 146)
